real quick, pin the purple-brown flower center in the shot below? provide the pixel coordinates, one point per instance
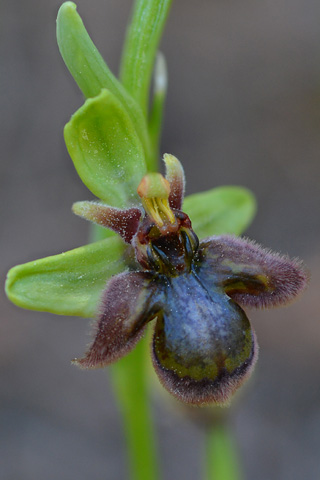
(165, 242)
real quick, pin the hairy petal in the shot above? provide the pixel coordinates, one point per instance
(124, 222)
(250, 274)
(175, 176)
(126, 307)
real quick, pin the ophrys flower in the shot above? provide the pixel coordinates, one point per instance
(203, 344)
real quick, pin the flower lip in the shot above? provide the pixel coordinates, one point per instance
(206, 391)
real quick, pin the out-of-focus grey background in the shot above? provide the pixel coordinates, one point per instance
(243, 108)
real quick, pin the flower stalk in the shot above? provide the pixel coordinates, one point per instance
(222, 462)
(130, 384)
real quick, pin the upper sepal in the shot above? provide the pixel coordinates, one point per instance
(127, 304)
(250, 274)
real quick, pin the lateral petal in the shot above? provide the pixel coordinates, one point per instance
(124, 222)
(250, 274)
(127, 304)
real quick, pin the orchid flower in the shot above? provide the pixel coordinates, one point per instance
(203, 345)
(157, 264)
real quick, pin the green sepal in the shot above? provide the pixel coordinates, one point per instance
(67, 284)
(220, 210)
(89, 69)
(106, 150)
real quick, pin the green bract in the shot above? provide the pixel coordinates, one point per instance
(82, 58)
(106, 150)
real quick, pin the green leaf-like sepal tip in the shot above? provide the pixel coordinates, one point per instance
(106, 150)
(67, 284)
(220, 210)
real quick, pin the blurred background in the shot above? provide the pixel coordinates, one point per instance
(243, 108)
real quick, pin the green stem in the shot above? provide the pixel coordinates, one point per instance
(141, 45)
(221, 456)
(130, 385)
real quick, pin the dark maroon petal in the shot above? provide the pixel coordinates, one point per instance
(127, 305)
(175, 176)
(250, 274)
(123, 222)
